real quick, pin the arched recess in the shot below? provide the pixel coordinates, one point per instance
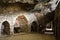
(5, 28)
(34, 26)
(21, 24)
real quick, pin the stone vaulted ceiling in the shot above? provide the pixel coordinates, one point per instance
(13, 1)
(33, 4)
(24, 1)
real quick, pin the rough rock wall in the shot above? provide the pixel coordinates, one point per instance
(13, 1)
(57, 22)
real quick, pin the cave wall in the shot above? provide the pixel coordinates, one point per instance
(57, 22)
(10, 13)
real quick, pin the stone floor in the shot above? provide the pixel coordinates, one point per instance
(28, 36)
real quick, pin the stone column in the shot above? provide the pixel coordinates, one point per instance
(12, 29)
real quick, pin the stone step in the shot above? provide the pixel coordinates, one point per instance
(49, 32)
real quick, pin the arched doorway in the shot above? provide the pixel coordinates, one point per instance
(21, 24)
(5, 29)
(34, 26)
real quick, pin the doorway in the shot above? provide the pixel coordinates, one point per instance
(34, 27)
(5, 29)
(21, 24)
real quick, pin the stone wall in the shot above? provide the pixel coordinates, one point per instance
(57, 22)
(10, 13)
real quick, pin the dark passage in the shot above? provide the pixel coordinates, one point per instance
(5, 28)
(34, 27)
(17, 30)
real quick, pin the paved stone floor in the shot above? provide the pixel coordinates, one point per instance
(28, 36)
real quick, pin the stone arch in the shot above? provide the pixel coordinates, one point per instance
(21, 24)
(30, 17)
(34, 26)
(5, 28)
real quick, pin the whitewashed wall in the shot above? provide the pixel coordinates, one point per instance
(12, 17)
